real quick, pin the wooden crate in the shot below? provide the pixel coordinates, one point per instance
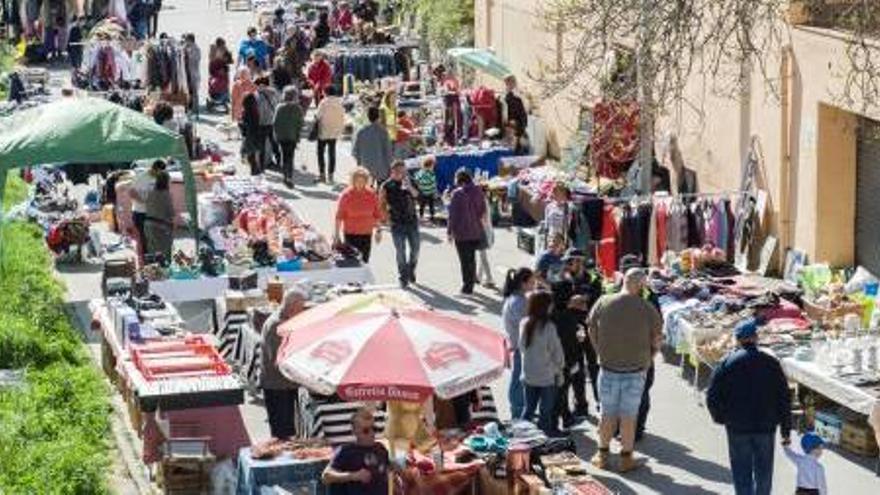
(135, 415)
(191, 476)
(186, 466)
(858, 438)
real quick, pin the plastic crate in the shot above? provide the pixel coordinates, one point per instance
(526, 240)
(195, 358)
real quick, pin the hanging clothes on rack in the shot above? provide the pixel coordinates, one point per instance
(606, 251)
(365, 63)
(165, 68)
(677, 226)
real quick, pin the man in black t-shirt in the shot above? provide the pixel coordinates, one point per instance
(577, 284)
(397, 198)
(361, 467)
(516, 109)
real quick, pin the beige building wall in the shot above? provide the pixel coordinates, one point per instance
(800, 120)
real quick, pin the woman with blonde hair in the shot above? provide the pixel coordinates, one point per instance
(358, 214)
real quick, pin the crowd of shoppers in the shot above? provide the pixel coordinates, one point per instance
(563, 326)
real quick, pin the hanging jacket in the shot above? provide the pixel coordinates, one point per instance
(606, 251)
(662, 213)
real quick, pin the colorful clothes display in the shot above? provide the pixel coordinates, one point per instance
(615, 140)
(648, 229)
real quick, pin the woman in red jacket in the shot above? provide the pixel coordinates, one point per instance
(358, 213)
(320, 75)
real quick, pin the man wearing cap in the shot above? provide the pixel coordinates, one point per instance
(578, 285)
(748, 394)
(625, 331)
(626, 262)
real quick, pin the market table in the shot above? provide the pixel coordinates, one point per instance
(204, 288)
(222, 427)
(448, 162)
(284, 470)
(812, 376)
(684, 338)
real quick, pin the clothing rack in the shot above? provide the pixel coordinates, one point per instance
(643, 198)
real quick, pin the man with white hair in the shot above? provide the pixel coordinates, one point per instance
(279, 393)
(625, 331)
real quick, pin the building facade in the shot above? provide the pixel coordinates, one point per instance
(820, 152)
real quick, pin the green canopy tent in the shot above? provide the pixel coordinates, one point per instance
(88, 130)
(480, 59)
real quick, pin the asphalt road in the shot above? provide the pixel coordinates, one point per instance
(687, 453)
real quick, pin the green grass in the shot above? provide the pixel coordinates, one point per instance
(7, 62)
(54, 429)
(16, 190)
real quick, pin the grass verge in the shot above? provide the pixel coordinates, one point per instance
(55, 429)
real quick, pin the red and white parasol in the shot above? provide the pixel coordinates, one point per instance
(382, 346)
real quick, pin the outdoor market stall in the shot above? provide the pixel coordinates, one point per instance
(485, 161)
(88, 130)
(332, 350)
(174, 382)
(824, 353)
(249, 230)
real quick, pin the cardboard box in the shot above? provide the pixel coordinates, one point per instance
(828, 426)
(858, 438)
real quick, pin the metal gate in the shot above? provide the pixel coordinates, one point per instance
(868, 196)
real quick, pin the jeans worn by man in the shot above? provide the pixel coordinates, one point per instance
(403, 234)
(397, 198)
(751, 462)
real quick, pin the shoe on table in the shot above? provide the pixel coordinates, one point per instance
(629, 462)
(600, 459)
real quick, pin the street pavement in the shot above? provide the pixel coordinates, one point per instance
(686, 453)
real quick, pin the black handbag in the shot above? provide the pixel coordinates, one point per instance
(313, 133)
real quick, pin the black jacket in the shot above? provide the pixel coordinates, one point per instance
(748, 393)
(516, 110)
(566, 321)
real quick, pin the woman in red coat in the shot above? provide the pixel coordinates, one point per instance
(320, 75)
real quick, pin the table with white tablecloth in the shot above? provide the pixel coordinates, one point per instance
(811, 375)
(205, 288)
(684, 337)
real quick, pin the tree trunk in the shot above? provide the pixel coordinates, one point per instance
(645, 82)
